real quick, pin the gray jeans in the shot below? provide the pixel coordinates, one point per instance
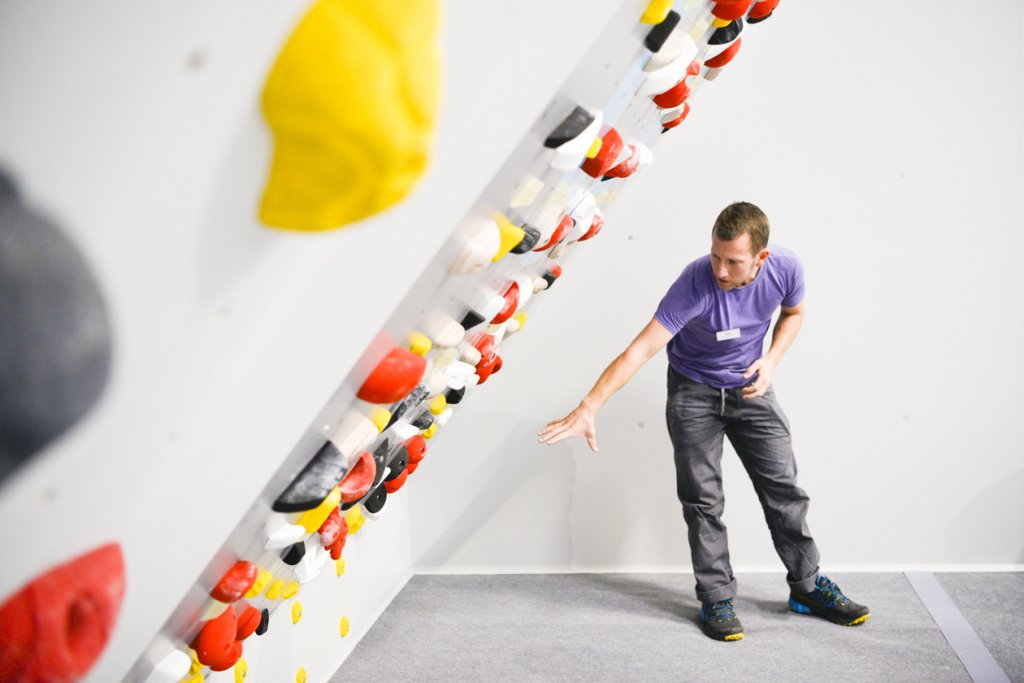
(698, 417)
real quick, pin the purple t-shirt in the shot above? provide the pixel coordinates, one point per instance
(720, 333)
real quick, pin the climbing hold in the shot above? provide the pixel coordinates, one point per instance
(397, 465)
(423, 421)
(558, 234)
(531, 236)
(416, 449)
(352, 127)
(171, 668)
(241, 670)
(442, 419)
(374, 503)
(343, 627)
(278, 532)
(418, 343)
(595, 147)
(438, 405)
(731, 10)
(216, 645)
(274, 590)
(511, 302)
(725, 56)
(442, 329)
(625, 168)
(395, 484)
(661, 74)
(656, 11)
(380, 417)
(292, 555)
(511, 235)
(312, 519)
(552, 274)
(354, 520)
(675, 118)
(762, 10)
(477, 240)
(610, 149)
(520, 318)
(394, 377)
(674, 96)
(264, 622)
(484, 303)
(595, 226)
(314, 483)
(454, 396)
(247, 620)
(310, 567)
(339, 566)
(262, 579)
(727, 33)
(573, 137)
(332, 528)
(56, 626)
(235, 582)
(657, 36)
(296, 612)
(429, 432)
(290, 588)
(526, 192)
(300, 675)
(359, 479)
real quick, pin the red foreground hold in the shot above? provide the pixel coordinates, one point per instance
(359, 479)
(416, 448)
(511, 303)
(595, 227)
(394, 377)
(332, 528)
(611, 146)
(217, 645)
(235, 582)
(396, 483)
(730, 10)
(561, 230)
(723, 58)
(248, 620)
(55, 628)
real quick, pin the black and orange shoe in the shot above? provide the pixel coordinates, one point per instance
(828, 602)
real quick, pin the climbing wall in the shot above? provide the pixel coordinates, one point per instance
(323, 516)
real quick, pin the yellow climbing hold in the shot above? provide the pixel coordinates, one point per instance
(595, 147)
(719, 23)
(379, 417)
(419, 344)
(520, 318)
(438, 405)
(656, 11)
(355, 518)
(343, 627)
(241, 670)
(311, 520)
(339, 566)
(351, 102)
(274, 592)
(262, 579)
(300, 675)
(290, 590)
(429, 432)
(197, 666)
(196, 677)
(511, 235)
(296, 612)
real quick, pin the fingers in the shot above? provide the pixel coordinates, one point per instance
(755, 366)
(592, 442)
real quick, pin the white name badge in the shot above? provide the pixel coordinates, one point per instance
(729, 334)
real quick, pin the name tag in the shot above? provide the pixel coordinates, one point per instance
(729, 334)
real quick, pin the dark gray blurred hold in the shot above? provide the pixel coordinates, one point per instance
(314, 482)
(727, 33)
(529, 240)
(657, 36)
(471, 319)
(423, 421)
(264, 622)
(454, 396)
(380, 459)
(55, 337)
(374, 503)
(570, 127)
(293, 554)
(398, 464)
(414, 398)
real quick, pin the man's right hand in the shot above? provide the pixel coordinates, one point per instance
(579, 422)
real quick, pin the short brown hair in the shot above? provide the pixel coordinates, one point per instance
(739, 218)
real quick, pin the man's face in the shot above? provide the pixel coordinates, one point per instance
(733, 263)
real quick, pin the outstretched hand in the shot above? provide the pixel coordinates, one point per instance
(579, 422)
(765, 369)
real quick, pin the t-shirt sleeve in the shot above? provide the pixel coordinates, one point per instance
(795, 292)
(684, 301)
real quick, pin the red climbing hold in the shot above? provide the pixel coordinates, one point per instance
(416, 447)
(762, 9)
(248, 619)
(595, 227)
(725, 56)
(564, 226)
(677, 120)
(511, 303)
(396, 483)
(729, 10)
(611, 145)
(216, 644)
(332, 528)
(394, 377)
(55, 627)
(627, 167)
(674, 96)
(235, 582)
(359, 479)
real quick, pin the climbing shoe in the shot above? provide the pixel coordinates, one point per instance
(718, 619)
(828, 602)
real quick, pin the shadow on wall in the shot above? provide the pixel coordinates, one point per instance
(544, 487)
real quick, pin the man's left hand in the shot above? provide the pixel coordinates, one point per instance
(765, 369)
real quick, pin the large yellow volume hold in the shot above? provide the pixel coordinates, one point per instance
(351, 103)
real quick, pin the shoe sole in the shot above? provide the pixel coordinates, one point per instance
(801, 608)
(715, 636)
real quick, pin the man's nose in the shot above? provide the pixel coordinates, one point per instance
(722, 272)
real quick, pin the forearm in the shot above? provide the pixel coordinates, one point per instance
(786, 329)
(614, 377)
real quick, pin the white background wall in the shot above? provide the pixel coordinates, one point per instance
(884, 141)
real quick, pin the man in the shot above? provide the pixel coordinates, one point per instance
(714, 319)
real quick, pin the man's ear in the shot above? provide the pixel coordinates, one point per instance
(762, 255)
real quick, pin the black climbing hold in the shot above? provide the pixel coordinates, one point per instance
(398, 465)
(657, 36)
(550, 278)
(760, 19)
(471, 320)
(423, 421)
(293, 554)
(414, 398)
(315, 481)
(570, 127)
(264, 622)
(727, 33)
(454, 396)
(374, 503)
(528, 242)
(380, 459)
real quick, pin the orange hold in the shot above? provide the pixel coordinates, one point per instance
(611, 146)
(730, 10)
(396, 483)
(248, 620)
(359, 479)
(674, 96)
(394, 377)
(216, 645)
(236, 582)
(724, 57)
(55, 627)
(511, 303)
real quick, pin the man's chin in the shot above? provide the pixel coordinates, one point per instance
(724, 285)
